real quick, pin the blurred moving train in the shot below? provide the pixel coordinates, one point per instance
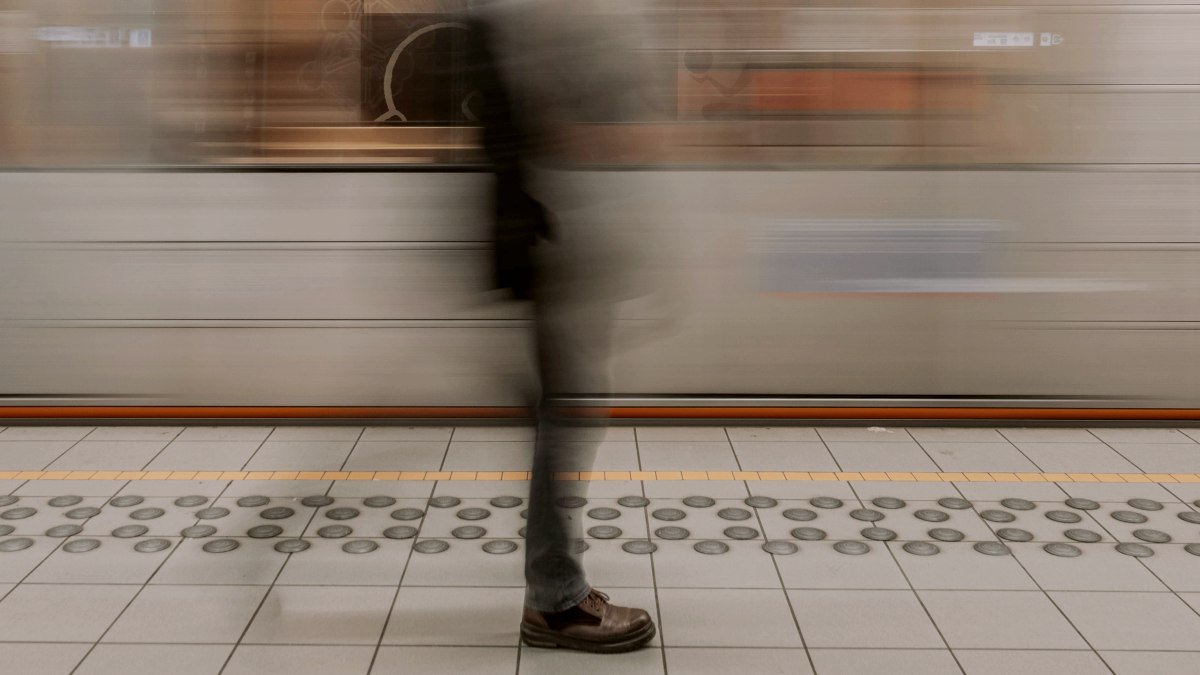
(278, 203)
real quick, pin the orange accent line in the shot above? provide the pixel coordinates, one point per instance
(697, 413)
(852, 413)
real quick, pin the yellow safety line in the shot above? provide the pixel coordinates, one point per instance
(802, 476)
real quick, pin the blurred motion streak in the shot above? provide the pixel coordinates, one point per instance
(283, 202)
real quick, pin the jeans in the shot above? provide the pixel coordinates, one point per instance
(572, 342)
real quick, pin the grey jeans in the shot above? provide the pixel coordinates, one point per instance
(572, 344)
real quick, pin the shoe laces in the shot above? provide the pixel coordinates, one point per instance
(595, 601)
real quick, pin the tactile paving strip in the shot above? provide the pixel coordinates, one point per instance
(709, 528)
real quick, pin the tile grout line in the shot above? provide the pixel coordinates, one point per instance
(662, 638)
(387, 619)
(924, 607)
(270, 587)
(1046, 594)
(163, 448)
(1119, 453)
(733, 451)
(141, 588)
(786, 596)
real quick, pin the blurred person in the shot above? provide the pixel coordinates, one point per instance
(541, 68)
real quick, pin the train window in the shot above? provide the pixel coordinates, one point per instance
(378, 82)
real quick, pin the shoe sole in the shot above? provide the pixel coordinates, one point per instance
(545, 638)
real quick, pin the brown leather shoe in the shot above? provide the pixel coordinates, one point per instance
(593, 625)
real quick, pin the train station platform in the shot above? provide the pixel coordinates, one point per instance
(390, 549)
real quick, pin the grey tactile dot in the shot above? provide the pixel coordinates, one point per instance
(1129, 517)
(780, 547)
(956, 503)
(500, 547)
(1062, 550)
(192, 501)
(130, 531)
(146, 514)
(342, 513)
(1196, 503)
(292, 546)
(335, 531)
(198, 531)
(1082, 536)
(276, 513)
(672, 532)
(997, 516)
(734, 513)
(878, 534)
(740, 532)
(1152, 536)
(524, 514)
(521, 533)
(250, 502)
(604, 513)
(698, 502)
(359, 546)
(851, 547)
(826, 502)
(506, 502)
(668, 514)
(64, 501)
(264, 531)
(431, 546)
(579, 546)
(220, 545)
(931, 515)
(760, 502)
(6, 530)
(922, 548)
(379, 502)
(1145, 504)
(604, 532)
(14, 545)
(808, 533)
(152, 545)
(711, 547)
(800, 514)
(638, 546)
(83, 513)
(473, 513)
(81, 545)
(1190, 517)
(1014, 534)
(61, 531)
(992, 548)
(1082, 504)
(633, 502)
(125, 501)
(946, 534)
(468, 532)
(212, 513)
(868, 515)
(1018, 504)
(1194, 549)
(1135, 550)
(1063, 516)
(8, 500)
(889, 503)
(570, 502)
(317, 501)
(19, 513)
(407, 514)
(400, 532)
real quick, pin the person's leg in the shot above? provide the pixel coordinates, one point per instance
(571, 345)
(561, 609)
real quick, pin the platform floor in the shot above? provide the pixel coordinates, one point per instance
(991, 570)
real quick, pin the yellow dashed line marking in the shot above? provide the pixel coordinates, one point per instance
(795, 476)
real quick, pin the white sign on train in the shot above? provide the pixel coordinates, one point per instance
(1003, 40)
